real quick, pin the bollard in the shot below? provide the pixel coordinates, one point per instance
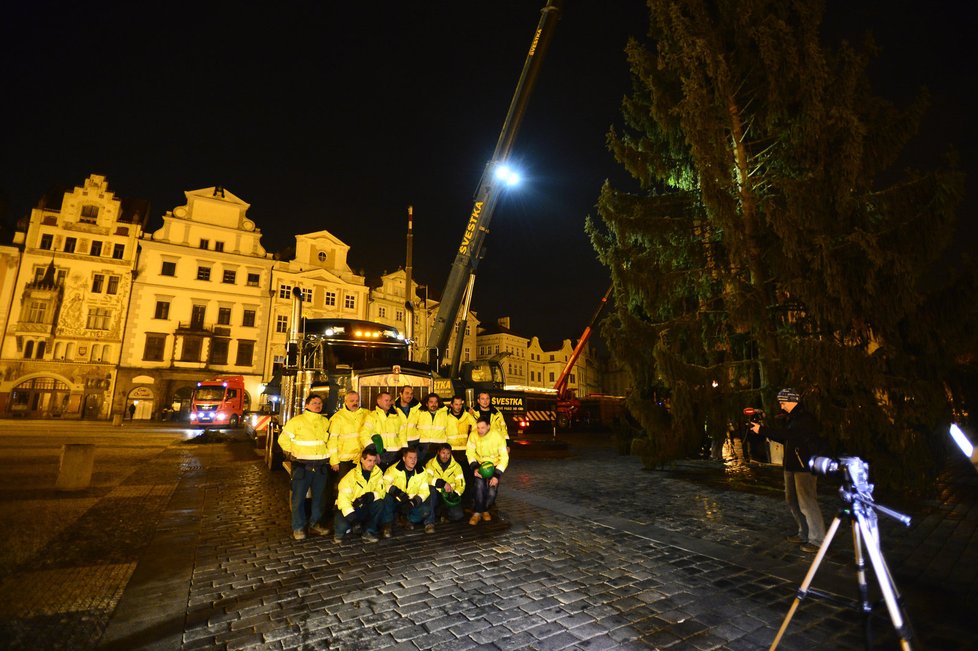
(75, 471)
(117, 420)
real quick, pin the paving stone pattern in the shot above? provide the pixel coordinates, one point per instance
(589, 552)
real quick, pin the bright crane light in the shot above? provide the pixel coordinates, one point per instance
(507, 175)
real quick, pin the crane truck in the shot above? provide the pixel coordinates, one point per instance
(487, 375)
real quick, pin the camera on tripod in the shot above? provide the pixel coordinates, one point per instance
(856, 471)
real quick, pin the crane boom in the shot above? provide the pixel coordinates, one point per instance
(487, 193)
(561, 384)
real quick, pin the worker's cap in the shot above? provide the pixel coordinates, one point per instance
(788, 394)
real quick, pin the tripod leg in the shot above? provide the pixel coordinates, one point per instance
(864, 604)
(803, 589)
(883, 578)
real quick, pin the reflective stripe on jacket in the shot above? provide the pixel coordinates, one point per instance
(344, 435)
(491, 447)
(396, 475)
(305, 436)
(353, 485)
(450, 474)
(387, 424)
(457, 429)
(430, 428)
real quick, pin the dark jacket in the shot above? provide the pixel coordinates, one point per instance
(800, 437)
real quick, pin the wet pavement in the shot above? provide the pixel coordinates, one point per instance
(193, 550)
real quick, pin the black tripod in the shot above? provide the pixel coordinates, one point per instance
(860, 509)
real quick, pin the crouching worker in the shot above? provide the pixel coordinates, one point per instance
(447, 481)
(303, 440)
(488, 458)
(360, 498)
(407, 494)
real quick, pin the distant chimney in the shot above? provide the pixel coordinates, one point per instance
(503, 322)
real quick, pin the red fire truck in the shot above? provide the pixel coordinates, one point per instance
(218, 401)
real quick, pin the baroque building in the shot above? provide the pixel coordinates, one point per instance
(200, 305)
(497, 342)
(66, 322)
(328, 287)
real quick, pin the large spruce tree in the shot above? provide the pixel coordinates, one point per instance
(770, 241)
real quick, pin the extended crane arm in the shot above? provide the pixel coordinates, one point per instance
(470, 250)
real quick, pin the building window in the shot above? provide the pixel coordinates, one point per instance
(98, 280)
(253, 280)
(551, 358)
(219, 351)
(467, 355)
(89, 214)
(382, 312)
(278, 359)
(552, 378)
(399, 315)
(284, 291)
(153, 350)
(468, 330)
(168, 269)
(224, 316)
(248, 319)
(197, 313)
(190, 351)
(349, 301)
(307, 295)
(330, 300)
(28, 349)
(162, 310)
(205, 244)
(281, 323)
(98, 318)
(246, 350)
(70, 243)
(571, 379)
(47, 240)
(95, 249)
(37, 312)
(118, 251)
(203, 273)
(218, 246)
(229, 276)
(113, 286)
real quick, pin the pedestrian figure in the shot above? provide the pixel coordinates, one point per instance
(801, 442)
(132, 410)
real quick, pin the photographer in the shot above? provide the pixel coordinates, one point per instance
(801, 441)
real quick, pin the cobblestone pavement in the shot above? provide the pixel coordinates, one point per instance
(590, 552)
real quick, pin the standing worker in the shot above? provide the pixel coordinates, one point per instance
(485, 409)
(801, 442)
(382, 428)
(344, 439)
(304, 442)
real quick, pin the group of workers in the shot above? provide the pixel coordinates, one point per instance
(403, 461)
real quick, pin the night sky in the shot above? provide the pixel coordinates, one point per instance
(326, 115)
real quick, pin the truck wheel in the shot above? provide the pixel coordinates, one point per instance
(233, 421)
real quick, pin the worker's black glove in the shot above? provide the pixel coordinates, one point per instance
(363, 500)
(397, 493)
(416, 501)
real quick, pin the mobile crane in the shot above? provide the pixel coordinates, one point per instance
(456, 297)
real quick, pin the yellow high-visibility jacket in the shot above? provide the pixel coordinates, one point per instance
(491, 447)
(305, 436)
(430, 428)
(497, 422)
(452, 474)
(387, 424)
(408, 422)
(417, 484)
(457, 429)
(344, 435)
(354, 484)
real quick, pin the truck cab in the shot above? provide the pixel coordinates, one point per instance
(219, 401)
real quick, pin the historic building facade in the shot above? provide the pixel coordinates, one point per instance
(328, 286)
(200, 305)
(65, 326)
(498, 342)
